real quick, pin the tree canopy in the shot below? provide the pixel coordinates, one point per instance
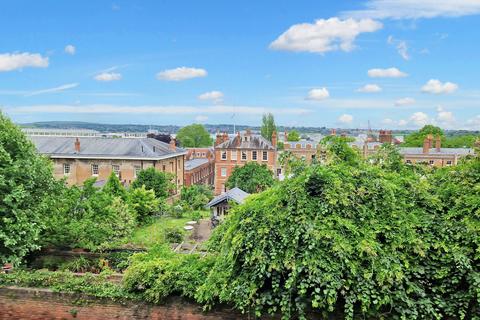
(251, 178)
(268, 126)
(293, 136)
(152, 179)
(26, 180)
(194, 136)
(416, 139)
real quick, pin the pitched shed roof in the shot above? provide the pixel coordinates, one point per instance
(251, 142)
(105, 148)
(235, 194)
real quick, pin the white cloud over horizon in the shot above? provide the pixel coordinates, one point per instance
(435, 86)
(414, 9)
(370, 88)
(404, 102)
(14, 61)
(215, 96)
(324, 35)
(108, 76)
(386, 73)
(345, 119)
(318, 94)
(181, 73)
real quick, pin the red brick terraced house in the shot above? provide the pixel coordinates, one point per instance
(200, 166)
(237, 150)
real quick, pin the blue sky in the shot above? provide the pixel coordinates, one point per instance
(397, 64)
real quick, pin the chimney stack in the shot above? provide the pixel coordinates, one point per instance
(286, 136)
(334, 132)
(173, 144)
(249, 132)
(274, 139)
(218, 139)
(438, 143)
(225, 136)
(77, 145)
(427, 144)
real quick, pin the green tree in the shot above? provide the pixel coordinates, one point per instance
(194, 136)
(26, 182)
(144, 202)
(293, 136)
(416, 139)
(114, 187)
(196, 196)
(268, 126)
(152, 179)
(251, 178)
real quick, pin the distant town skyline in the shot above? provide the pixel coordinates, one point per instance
(398, 64)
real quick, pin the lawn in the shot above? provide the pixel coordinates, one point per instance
(154, 233)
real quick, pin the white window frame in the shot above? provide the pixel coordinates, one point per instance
(265, 156)
(254, 155)
(95, 169)
(233, 155)
(67, 169)
(223, 155)
(449, 162)
(244, 153)
(223, 172)
(431, 162)
(116, 169)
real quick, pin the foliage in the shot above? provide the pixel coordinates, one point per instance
(80, 264)
(268, 126)
(251, 178)
(93, 285)
(86, 218)
(339, 151)
(152, 179)
(194, 136)
(291, 164)
(26, 181)
(195, 197)
(359, 240)
(144, 202)
(114, 187)
(416, 139)
(293, 136)
(161, 273)
(280, 145)
(174, 235)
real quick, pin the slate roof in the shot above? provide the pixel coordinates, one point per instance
(253, 142)
(235, 194)
(433, 151)
(303, 144)
(194, 163)
(105, 148)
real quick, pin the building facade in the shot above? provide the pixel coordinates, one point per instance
(236, 151)
(78, 159)
(200, 166)
(305, 150)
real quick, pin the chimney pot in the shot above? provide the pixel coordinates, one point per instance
(173, 143)
(438, 143)
(77, 145)
(334, 132)
(426, 145)
(274, 139)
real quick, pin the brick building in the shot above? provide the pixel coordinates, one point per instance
(306, 150)
(200, 166)
(237, 150)
(78, 159)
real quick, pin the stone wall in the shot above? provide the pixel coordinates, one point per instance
(28, 303)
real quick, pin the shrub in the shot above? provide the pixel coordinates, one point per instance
(251, 178)
(152, 179)
(174, 235)
(195, 197)
(144, 203)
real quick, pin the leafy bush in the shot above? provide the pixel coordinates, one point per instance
(152, 179)
(195, 197)
(251, 178)
(144, 203)
(359, 240)
(26, 183)
(80, 264)
(161, 273)
(174, 235)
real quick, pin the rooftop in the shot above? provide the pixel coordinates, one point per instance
(433, 151)
(303, 144)
(246, 142)
(105, 148)
(194, 163)
(235, 194)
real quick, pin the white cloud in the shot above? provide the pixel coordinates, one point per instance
(345, 119)
(201, 118)
(404, 102)
(215, 96)
(318, 94)
(414, 9)
(445, 118)
(388, 121)
(108, 76)
(182, 73)
(437, 87)
(70, 49)
(370, 88)
(53, 90)
(474, 122)
(386, 73)
(324, 35)
(402, 122)
(155, 109)
(420, 119)
(401, 46)
(13, 61)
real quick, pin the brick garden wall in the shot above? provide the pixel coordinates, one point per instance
(33, 304)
